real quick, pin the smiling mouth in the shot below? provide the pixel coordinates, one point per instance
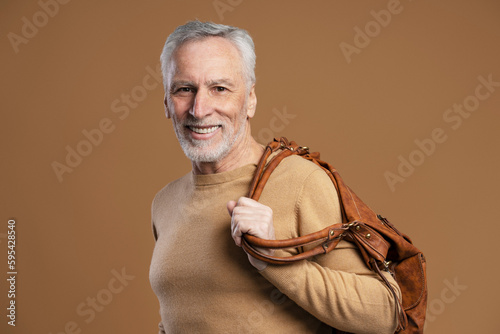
(204, 129)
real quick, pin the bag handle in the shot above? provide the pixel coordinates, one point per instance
(328, 238)
(352, 227)
(371, 244)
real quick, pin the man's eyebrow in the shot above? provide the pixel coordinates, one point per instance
(214, 82)
(178, 83)
(222, 81)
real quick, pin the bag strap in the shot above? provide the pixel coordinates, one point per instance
(372, 245)
(328, 237)
(353, 228)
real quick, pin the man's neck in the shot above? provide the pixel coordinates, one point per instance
(245, 151)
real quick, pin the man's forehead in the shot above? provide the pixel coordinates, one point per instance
(216, 59)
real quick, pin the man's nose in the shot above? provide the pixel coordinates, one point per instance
(202, 105)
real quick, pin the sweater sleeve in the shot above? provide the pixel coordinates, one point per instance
(337, 288)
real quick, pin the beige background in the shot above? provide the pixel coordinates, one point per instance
(72, 233)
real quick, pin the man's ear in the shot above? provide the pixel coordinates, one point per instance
(252, 102)
(165, 103)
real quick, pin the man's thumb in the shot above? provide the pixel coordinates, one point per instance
(230, 207)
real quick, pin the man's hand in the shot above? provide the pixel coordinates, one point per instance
(251, 217)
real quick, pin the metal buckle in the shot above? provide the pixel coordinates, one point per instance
(305, 148)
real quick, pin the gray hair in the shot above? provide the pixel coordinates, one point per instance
(196, 30)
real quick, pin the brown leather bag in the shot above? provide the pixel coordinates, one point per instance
(381, 245)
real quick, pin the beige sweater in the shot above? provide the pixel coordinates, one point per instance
(205, 284)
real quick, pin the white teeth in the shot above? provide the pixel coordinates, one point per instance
(204, 130)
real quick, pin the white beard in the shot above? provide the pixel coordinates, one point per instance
(199, 150)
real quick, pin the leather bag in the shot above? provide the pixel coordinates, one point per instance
(382, 246)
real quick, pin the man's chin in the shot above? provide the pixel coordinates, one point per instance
(204, 152)
(213, 149)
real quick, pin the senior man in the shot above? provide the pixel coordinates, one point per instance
(203, 281)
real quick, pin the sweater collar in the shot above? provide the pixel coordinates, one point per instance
(228, 176)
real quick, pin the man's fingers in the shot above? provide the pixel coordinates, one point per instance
(250, 217)
(249, 206)
(250, 226)
(230, 207)
(235, 230)
(245, 201)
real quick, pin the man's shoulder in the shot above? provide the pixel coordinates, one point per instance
(299, 169)
(174, 187)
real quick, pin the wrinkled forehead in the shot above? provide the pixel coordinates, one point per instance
(208, 56)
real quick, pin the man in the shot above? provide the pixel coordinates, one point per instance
(204, 283)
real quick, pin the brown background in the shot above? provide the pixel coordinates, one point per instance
(361, 115)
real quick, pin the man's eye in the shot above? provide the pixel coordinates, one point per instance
(183, 91)
(220, 89)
